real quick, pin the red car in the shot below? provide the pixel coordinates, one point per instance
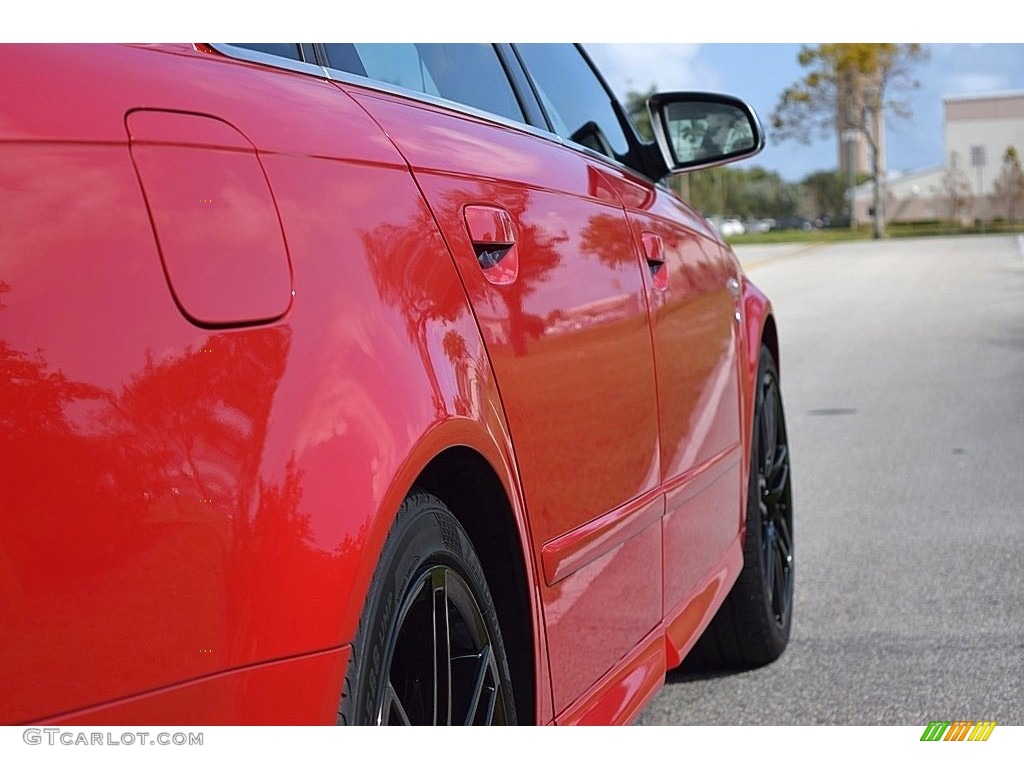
(378, 383)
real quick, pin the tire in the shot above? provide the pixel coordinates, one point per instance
(428, 650)
(753, 624)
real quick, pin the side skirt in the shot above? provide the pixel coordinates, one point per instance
(622, 693)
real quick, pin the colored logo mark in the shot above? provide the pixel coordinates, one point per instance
(958, 730)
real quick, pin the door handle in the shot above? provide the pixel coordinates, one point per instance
(494, 242)
(654, 252)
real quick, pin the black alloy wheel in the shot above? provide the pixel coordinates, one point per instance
(752, 626)
(774, 498)
(429, 648)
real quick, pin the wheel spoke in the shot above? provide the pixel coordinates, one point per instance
(442, 649)
(769, 559)
(779, 596)
(492, 703)
(485, 682)
(782, 574)
(777, 475)
(765, 448)
(393, 704)
(769, 425)
(785, 541)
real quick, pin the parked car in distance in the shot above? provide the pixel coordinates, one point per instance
(373, 384)
(731, 227)
(794, 222)
(758, 226)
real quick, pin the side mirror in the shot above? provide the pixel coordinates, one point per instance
(701, 130)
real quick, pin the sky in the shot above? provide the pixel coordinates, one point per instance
(759, 72)
(660, 42)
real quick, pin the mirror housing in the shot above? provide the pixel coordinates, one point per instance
(701, 130)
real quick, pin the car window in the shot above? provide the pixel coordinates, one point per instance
(468, 73)
(284, 50)
(579, 106)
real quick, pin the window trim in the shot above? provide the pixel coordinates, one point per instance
(524, 86)
(642, 160)
(268, 59)
(529, 111)
(347, 78)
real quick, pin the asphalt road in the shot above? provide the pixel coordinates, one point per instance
(903, 378)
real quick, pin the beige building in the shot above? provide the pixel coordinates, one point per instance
(978, 129)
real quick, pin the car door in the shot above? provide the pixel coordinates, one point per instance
(694, 320)
(546, 254)
(693, 298)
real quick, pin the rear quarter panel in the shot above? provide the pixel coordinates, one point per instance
(181, 501)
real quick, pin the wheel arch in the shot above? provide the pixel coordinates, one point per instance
(469, 486)
(468, 465)
(758, 328)
(770, 338)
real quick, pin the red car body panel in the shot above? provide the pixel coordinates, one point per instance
(575, 319)
(286, 692)
(231, 342)
(214, 216)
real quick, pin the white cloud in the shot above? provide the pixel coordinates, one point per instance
(975, 82)
(639, 66)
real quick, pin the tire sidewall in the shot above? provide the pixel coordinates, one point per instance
(778, 632)
(425, 534)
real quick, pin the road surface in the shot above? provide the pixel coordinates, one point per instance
(903, 378)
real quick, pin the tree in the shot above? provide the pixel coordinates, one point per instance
(1009, 185)
(849, 86)
(956, 188)
(636, 106)
(744, 192)
(827, 193)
